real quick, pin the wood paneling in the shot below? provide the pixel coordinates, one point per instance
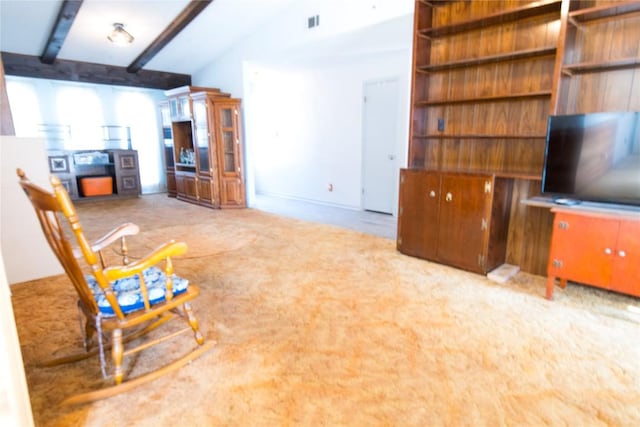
(490, 73)
(529, 230)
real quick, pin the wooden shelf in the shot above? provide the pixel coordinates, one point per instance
(600, 12)
(593, 67)
(499, 174)
(186, 165)
(485, 99)
(518, 175)
(442, 136)
(503, 57)
(92, 165)
(535, 9)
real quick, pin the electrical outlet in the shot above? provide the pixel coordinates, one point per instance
(440, 125)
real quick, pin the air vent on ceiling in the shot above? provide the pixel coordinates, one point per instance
(313, 21)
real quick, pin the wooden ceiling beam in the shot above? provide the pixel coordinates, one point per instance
(66, 16)
(187, 15)
(30, 66)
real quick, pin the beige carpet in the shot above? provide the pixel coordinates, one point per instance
(319, 326)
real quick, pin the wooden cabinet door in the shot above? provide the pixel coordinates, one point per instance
(186, 187)
(201, 135)
(625, 276)
(228, 137)
(126, 172)
(464, 216)
(206, 192)
(418, 213)
(171, 184)
(582, 248)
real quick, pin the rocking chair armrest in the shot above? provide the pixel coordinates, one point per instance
(123, 230)
(163, 252)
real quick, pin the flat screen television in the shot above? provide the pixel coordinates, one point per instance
(593, 157)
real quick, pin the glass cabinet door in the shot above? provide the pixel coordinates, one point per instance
(227, 131)
(167, 135)
(201, 134)
(173, 107)
(185, 110)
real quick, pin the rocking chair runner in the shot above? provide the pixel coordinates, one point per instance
(136, 296)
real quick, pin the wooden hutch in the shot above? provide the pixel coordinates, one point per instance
(485, 77)
(203, 147)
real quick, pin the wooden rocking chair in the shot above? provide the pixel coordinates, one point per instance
(135, 297)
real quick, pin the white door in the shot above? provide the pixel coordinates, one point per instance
(379, 134)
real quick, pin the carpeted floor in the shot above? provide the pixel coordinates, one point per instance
(320, 326)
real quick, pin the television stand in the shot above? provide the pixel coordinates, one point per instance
(597, 247)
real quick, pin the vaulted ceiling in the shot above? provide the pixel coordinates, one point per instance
(172, 38)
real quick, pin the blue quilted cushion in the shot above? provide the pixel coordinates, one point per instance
(128, 292)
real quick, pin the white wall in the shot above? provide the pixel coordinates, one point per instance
(304, 127)
(287, 36)
(302, 94)
(15, 407)
(26, 253)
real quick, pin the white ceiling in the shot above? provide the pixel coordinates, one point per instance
(25, 26)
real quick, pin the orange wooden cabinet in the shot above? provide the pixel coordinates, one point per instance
(597, 248)
(458, 219)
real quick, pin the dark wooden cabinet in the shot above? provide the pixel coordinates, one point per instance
(486, 75)
(454, 218)
(120, 166)
(599, 248)
(205, 159)
(126, 172)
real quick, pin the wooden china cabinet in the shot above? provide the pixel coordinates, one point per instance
(205, 158)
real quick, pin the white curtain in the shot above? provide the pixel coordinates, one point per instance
(81, 109)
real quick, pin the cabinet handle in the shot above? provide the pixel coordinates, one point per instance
(607, 251)
(557, 263)
(563, 225)
(432, 193)
(448, 197)
(622, 254)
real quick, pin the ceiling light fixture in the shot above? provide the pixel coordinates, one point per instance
(119, 35)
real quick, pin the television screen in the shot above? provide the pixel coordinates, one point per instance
(593, 157)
